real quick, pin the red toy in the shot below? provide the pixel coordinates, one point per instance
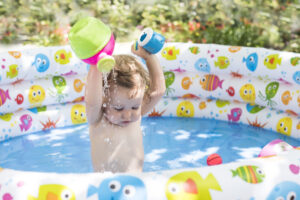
(214, 159)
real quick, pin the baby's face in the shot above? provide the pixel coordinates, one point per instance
(122, 110)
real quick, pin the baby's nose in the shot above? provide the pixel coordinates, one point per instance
(126, 115)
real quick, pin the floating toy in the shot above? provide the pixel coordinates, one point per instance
(274, 147)
(93, 42)
(151, 41)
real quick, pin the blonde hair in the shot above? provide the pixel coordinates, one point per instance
(125, 71)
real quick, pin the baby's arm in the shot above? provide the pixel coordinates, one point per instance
(157, 86)
(93, 95)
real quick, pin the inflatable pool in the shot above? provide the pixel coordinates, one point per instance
(43, 88)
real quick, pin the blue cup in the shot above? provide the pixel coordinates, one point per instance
(151, 41)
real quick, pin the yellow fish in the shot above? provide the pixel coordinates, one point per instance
(13, 71)
(247, 93)
(62, 57)
(284, 126)
(223, 62)
(190, 185)
(78, 114)
(185, 109)
(36, 94)
(272, 61)
(53, 192)
(6, 117)
(170, 53)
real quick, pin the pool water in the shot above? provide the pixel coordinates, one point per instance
(169, 143)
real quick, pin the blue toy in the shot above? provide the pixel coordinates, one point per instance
(123, 187)
(151, 41)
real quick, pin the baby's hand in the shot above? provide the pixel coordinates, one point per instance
(139, 51)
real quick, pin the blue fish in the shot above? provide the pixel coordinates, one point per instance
(41, 62)
(202, 65)
(119, 187)
(251, 61)
(285, 190)
(296, 77)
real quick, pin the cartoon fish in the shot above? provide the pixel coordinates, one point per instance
(119, 187)
(169, 80)
(270, 91)
(253, 108)
(295, 61)
(185, 109)
(62, 56)
(194, 50)
(15, 54)
(41, 62)
(3, 96)
(251, 61)
(6, 116)
(222, 103)
(272, 61)
(26, 122)
(189, 185)
(234, 49)
(286, 97)
(190, 96)
(38, 109)
(19, 99)
(211, 82)
(170, 53)
(296, 77)
(202, 65)
(78, 85)
(186, 82)
(53, 192)
(235, 114)
(222, 62)
(202, 105)
(78, 114)
(284, 126)
(285, 190)
(250, 174)
(36, 94)
(59, 83)
(13, 71)
(247, 93)
(230, 91)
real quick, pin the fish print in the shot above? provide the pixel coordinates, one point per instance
(211, 82)
(250, 174)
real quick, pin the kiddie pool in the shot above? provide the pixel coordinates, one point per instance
(227, 88)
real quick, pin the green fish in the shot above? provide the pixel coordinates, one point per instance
(250, 174)
(223, 62)
(13, 71)
(270, 91)
(222, 103)
(295, 61)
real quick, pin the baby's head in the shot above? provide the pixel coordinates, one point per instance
(128, 83)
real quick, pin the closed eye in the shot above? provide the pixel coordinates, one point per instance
(135, 108)
(119, 108)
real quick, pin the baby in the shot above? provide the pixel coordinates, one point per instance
(114, 113)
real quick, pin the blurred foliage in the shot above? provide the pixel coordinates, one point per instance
(258, 23)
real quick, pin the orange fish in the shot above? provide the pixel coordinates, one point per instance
(15, 54)
(286, 97)
(190, 96)
(234, 49)
(298, 127)
(78, 85)
(211, 82)
(202, 105)
(186, 82)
